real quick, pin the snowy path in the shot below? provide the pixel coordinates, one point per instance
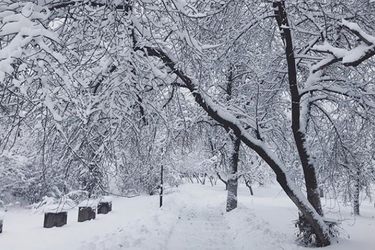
(193, 217)
(200, 228)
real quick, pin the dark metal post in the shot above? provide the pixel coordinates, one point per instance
(161, 186)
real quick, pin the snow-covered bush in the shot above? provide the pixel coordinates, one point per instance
(58, 202)
(20, 180)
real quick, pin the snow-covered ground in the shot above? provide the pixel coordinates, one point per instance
(193, 217)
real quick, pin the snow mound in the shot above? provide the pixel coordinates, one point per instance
(150, 232)
(247, 229)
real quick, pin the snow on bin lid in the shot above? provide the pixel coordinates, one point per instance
(89, 203)
(106, 199)
(57, 208)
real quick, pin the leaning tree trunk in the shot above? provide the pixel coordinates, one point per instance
(233, 178)
(229, 121)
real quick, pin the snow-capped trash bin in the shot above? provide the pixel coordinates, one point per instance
(86, 213)
(55, 219)
(105, 205)
(87, 210)
(56, 211)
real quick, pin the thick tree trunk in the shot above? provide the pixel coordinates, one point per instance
(232, 184)
(316, 222)
(233, 179)
(298, 128)
(299, 136)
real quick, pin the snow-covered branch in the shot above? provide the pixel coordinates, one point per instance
(353, 57)
(65, 4)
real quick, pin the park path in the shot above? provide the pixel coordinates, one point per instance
(200, 227)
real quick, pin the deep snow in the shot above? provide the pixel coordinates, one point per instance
(193, 217)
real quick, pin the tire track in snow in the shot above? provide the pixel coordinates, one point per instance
(202, 228)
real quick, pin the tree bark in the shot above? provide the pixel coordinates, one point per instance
(232, 184)
(233, 178)
(357, 187)
(299, 136)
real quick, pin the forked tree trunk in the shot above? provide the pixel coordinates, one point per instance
(299, 136)
(233, 178)
(248, 184)
(298, 128)
(224, 181)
